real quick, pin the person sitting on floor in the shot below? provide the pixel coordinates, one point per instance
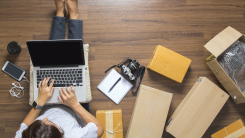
(69, 119)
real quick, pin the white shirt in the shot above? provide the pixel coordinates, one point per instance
(67, 122)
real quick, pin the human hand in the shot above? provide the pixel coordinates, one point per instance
(45, 92)
(68, 97)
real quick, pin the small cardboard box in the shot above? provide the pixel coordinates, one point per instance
(234, 130)
(149, 114)
(217, 46)
(169, 63)
(111, 120)
(197, 110)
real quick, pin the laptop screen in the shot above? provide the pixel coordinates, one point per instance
(56, 52)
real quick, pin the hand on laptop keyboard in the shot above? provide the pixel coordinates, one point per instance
(68, 97)
(45, 91)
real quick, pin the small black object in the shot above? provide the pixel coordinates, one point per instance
(14, 47)
(114, 84)
(130, 69)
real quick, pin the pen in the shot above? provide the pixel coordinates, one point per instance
(114, 84)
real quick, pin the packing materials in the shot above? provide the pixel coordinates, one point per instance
(169, 63)
(149, 114)
(120, 89)
(232, 60)
(222, 46)
(197, 110)
(111, 120)
(234, 130)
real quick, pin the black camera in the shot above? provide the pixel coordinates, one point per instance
(133, 70)
(130, 69)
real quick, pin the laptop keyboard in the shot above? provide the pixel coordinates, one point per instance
(62, 77)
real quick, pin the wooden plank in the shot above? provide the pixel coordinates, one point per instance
(116, 30)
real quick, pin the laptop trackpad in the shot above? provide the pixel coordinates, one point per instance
(80, 94)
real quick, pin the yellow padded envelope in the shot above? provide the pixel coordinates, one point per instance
(169, 63)
(111, 120)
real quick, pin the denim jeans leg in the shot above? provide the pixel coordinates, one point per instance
(75, 29)
(86, 106)
(58, 28)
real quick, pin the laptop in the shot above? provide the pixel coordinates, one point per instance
(61, 60)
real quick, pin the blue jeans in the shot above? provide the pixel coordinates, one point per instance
(58, 28)
(58, 31)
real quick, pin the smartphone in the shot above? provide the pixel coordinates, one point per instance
(13, 70)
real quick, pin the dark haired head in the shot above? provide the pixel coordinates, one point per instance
(39, 130)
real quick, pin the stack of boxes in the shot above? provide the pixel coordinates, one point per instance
(201, 105)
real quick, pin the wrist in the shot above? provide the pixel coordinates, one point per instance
(36, 109)
(40, 102)
(75, 106)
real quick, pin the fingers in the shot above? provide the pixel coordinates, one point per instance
(52, 90)
(72, 89)
(66, 94)
(64, 91)
(47, 80)
(68, 90)
(52, 83)
(60, 99)
(61, 94)
(40, 84)
(43, 83)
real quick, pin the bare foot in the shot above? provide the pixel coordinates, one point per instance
(72, 6)
(60, 6)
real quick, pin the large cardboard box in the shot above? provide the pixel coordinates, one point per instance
(149, 114)
(234, 130)
(217, 46)
(111, 120)
(169, 63)
(197, 110)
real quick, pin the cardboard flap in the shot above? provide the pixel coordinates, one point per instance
(222, 41)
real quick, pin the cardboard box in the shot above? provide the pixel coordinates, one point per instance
(149, 114)
(111, 120)
(169, 63)
(197, 110)
(234, 130)
(217, 46)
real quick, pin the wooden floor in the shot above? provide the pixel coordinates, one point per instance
(116, 29)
